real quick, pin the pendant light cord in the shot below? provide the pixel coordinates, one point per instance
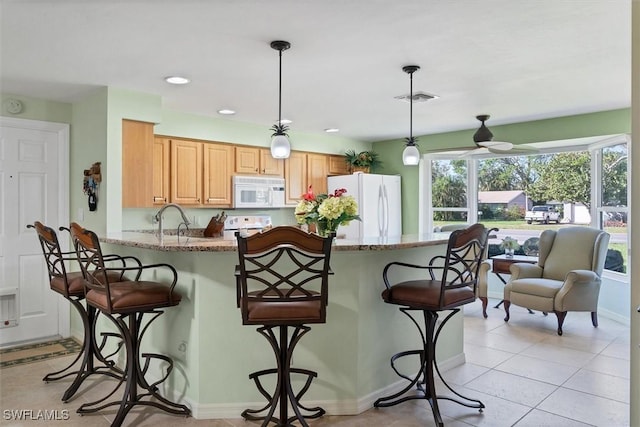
(411, 107)
(280, 90)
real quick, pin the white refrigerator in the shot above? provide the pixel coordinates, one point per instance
(379, 204)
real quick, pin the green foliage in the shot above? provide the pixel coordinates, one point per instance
(362, 159)
(614, 176)
(565, 177)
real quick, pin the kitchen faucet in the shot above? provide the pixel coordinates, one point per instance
(158, 217)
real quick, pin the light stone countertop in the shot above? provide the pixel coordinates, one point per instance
(174, 243)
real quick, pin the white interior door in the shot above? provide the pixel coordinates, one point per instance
(33, 186)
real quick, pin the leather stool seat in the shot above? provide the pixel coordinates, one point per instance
(73, 283)
(425, 295)
(131, 296)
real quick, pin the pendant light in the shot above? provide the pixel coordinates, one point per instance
(411, 155)
(280, 147)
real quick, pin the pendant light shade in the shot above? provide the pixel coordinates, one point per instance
(280, 146)
(410, 154)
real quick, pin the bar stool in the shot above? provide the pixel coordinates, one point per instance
(457, 286)
(126, 303)
(71, 286)
(282, 284)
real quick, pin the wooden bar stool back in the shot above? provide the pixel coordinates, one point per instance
(282, 282)
(450, 282)
(126, 302)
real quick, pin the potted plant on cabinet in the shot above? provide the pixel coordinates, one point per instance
(362, 161)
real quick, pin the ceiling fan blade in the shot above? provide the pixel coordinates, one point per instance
(454, 149)
(516, 149)
(473, 152)
(497, 145)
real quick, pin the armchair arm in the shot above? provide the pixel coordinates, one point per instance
(579, 292)
(521, 270)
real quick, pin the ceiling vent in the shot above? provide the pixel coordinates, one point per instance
(417, 97)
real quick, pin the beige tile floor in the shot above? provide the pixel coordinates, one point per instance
(526, 375)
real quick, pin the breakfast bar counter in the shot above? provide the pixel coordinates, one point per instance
(214, 353)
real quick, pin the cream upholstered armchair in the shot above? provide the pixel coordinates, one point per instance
(567, 276)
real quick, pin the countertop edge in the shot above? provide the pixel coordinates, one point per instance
(199, 244)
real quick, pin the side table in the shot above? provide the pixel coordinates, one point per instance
(502, 263)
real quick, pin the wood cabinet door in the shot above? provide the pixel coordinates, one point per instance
(161, 170)
(269, 165)
(295, 174)
(247, 161)
(186, 172)
(217, 173)
(337, 166)
(137, 164)
(317, 171)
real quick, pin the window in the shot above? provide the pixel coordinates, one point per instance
(611, 188)
(583, 181)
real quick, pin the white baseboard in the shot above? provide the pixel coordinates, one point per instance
(208, 411)
(617, 317)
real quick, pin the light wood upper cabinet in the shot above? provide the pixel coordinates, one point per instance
(269, 165)
(304, 169)
(295, 175)
(337, 166)
(217, 172)
(317, 171)
(247, 160)
(186, 172)
(137, 166)
(257, 161)
(161, 170)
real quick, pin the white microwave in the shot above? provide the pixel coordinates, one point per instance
(258, 192)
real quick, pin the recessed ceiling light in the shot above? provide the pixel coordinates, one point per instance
(226, 112)
(177, 80)
(332, 130)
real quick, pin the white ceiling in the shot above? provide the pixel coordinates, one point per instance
(515, 60)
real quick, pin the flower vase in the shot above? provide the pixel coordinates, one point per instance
(323, 229)
(509, 252)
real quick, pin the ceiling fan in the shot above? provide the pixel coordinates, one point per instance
(483, 139)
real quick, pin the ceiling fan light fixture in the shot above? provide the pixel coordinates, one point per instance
(410, 154)
(280, 146)
(483, 133)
